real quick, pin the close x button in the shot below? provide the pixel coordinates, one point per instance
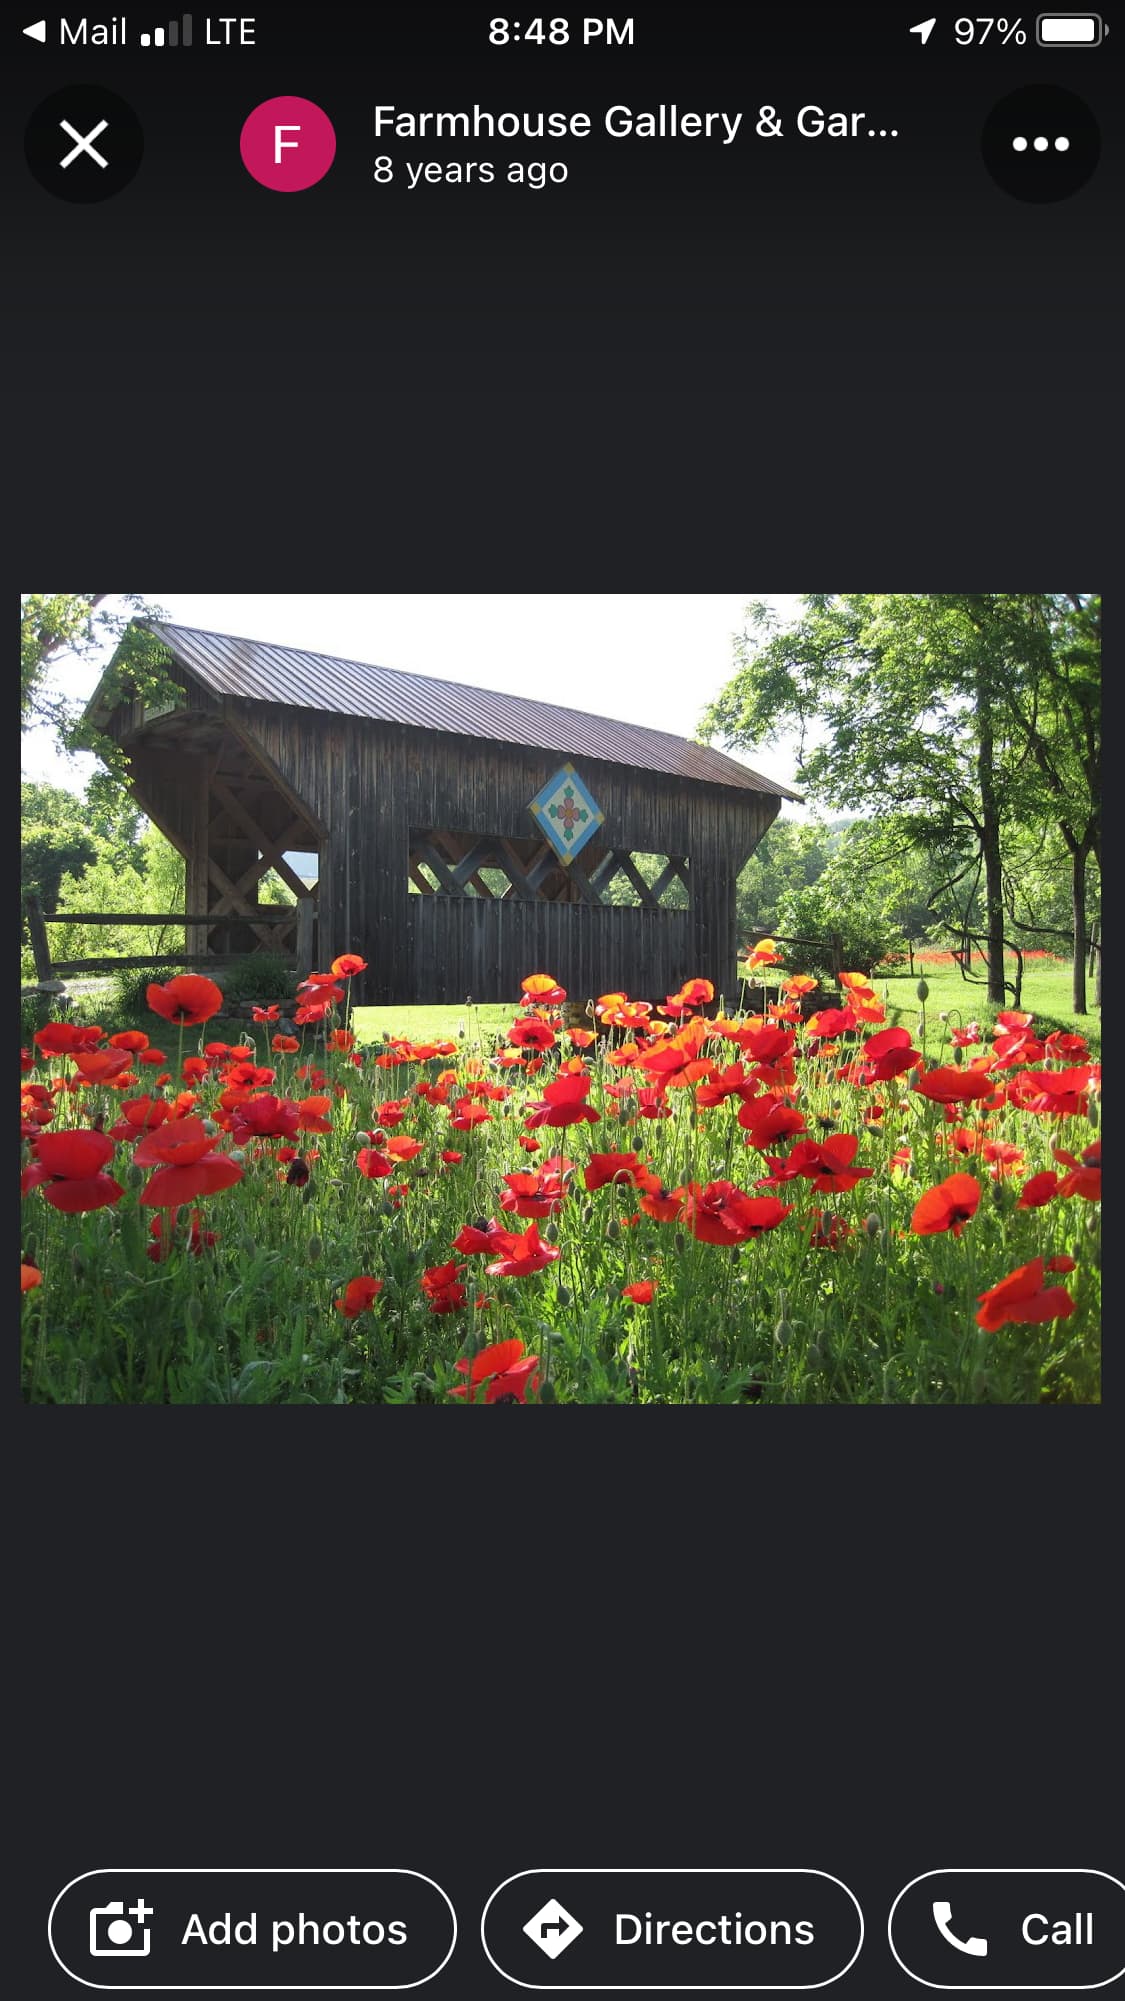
(613, 1929)
(1061, 1929)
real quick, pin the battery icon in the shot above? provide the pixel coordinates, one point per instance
(1069, 31)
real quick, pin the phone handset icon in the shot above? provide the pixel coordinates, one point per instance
(942, 1915)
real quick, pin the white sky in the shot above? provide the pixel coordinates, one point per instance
(651, 658)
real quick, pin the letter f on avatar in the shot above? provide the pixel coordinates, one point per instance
(280, 144)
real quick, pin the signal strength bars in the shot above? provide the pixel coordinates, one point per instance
(176, 35)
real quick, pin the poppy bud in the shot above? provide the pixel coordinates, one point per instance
(1092, 1112)
(551, 1233)
(547, 1393)
(193, 1311)
(613, 1229)
(247, 1245)
(980, 1383)
(679, 1242)
(815, 1355)
(564, 1295)
(782, 1334)
(588, 1213)
(28, 1256)
(873, 1224)
(314, 1247)
(958, 1053)
(209, 1126)
(134, 1175)
(237, 1154)
(922, 990)
(77, 1263)
(1093, 1224)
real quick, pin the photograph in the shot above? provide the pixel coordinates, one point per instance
(577, 999)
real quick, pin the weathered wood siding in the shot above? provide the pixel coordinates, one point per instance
(370, 784)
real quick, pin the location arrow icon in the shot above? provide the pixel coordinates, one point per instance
(37, 31)
(925, 29)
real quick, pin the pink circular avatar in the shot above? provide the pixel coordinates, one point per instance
(287, 143)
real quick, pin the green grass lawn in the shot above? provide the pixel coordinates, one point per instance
(434, 1023)
(1046, 995)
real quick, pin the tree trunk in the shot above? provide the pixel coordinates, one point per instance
(990, 842)
(1078, 908)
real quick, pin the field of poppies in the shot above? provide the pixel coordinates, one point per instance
(657, 1203)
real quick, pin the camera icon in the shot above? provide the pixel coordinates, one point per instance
(112, 1936)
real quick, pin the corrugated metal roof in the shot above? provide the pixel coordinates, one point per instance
(259, 672)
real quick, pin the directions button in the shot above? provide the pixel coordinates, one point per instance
(612, 1929)
(1061, 1929)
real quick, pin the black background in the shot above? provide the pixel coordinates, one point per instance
(869, 1642)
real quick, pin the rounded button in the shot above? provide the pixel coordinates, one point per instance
(722, 1929)
(1061, 1929)
(236, 1930)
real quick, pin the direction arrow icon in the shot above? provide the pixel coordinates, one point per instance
(37, 31)
(925, 29)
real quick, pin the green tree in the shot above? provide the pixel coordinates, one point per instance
(57, 626)
(960, 718)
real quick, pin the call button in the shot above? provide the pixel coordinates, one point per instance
(1060, 1929)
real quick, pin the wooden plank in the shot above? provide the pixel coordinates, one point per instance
(272, 849)
(232, 896)
(161, 960)
(41, 951)
(306, 912)
(264, 915)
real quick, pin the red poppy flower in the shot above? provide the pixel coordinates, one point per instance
(65, 1038)
(526, 1254)
(1022, 1297)
(442, 1287)
(187, 1166)
(375, 1165)
(272, 1013)
(948, 1085)
(68, 1167)
(133, 1039)
(830, 1021)
(948, 1206)
(563, 1103)
(265, 1117)
(187, 1000)
(663, 1204)
(311, 1115)
(722, 1214)
(581, 1038)
(1041, 1189)
(359, 1295)
(465, 1115)
(640, 1292)
(341, 1038)
(827, 1231)
(603, 1167)
(539, 989)
(1002, 1157)
(826, 1163)
(886, 1055)
(450, 1158)
(138, 1115)
(504, 1368)
(100, 1066)
(474, 1238)
(1085, 1177)
(347, 965)
(402, 1146)
(767, 1119)
(733, 1082)
(764, 953)
(539, 1194)
(798, 984)
(1057, 1094)
(30, 1276)
(161, 1231)
(532, 1034)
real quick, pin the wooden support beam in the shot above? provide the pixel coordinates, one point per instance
(41, 950)
(306, 912)
(232, 895)
(272, 849)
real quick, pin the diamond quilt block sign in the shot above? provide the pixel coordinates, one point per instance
(566, 812)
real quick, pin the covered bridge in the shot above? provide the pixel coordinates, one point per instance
(463, 839)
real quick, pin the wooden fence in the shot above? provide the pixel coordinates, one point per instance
(49, 971)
